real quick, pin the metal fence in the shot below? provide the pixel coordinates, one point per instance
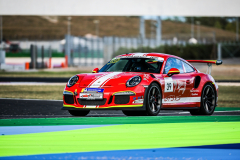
(82, 51)
(96, 51)
(228, 50)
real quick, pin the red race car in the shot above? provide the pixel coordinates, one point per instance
(143, 84)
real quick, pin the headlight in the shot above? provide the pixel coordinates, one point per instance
(72, 81)
(133, 81)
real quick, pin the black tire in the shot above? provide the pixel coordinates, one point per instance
(208, 101)
(153, 100)
(134, 113)
(78, 113)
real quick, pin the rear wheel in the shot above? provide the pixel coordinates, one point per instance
(78, 113)
(208, 101)
(154, 100)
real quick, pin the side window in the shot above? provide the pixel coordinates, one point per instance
(173, 63)
(188, 68)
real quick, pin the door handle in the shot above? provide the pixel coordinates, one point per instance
(188, 81)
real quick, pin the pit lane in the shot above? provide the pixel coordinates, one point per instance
(28, 108)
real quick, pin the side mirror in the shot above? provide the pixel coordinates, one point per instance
(95, 70)
(173, 71)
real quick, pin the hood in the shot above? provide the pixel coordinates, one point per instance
(106, 79)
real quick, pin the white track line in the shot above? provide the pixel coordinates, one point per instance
(228, 84)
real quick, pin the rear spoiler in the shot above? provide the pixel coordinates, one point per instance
(209, 63)
(217, 62)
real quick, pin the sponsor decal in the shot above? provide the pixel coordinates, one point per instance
(181, 86)
(194, 94)
(142, 55)
(114, 60)
(134, 98)
(172, 98)
(91, 96)
(146, 77)
(183, 100)
(93, 90)
(194, 90)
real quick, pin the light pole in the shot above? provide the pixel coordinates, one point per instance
(1, 39)
(198, 30)
(237, 29)
(97, 30)
(192, 28)
(69, 25)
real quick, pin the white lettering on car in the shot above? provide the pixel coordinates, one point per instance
(181, 86)
(172, 98)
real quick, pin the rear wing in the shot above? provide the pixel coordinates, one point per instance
(209, 63)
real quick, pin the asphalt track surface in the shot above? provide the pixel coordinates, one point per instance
(17, 108)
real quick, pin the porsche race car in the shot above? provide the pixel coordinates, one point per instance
(142, 84)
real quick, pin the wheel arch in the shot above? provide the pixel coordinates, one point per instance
(146, 91)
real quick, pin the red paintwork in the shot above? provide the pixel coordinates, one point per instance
(118, 83)
(173, 71)
(95, 70)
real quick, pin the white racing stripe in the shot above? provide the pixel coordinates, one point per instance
(183, 100)
(102, 80)
(97, 79)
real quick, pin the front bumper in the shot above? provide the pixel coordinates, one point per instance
(125, 99)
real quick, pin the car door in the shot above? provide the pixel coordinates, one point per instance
(176, 89)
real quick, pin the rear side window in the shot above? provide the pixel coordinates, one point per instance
(188, 68)
(173, 63)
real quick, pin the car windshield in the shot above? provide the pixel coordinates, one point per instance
(133, 65)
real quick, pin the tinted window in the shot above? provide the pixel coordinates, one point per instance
(188, 68)
(173, 63)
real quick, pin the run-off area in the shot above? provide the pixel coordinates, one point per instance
(168, 137)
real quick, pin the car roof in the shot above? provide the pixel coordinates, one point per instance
(161, 55)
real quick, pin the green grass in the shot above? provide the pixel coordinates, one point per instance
(228, 95)
(67, 74)
(32, 92)
(27, 54)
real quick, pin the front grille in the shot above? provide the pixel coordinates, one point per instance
(92, 102)
(122, 99)
(69, 99)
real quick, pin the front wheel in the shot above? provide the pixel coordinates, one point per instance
(208, 101)
(78, 113)
(154, 100)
